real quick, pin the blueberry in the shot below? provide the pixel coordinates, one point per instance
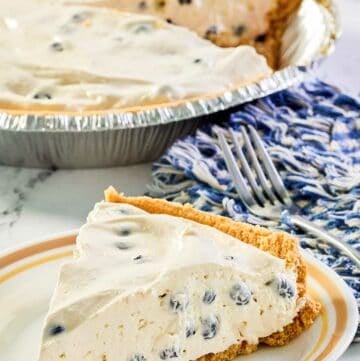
(283, 286)
(185, 2)
(123, 245)
(190, 332)
(209, 297)
(120, 210)
(212, 30)
(241, 294)
(125, 232)
(56, 330)
(137, 357)
(42, 96)
(260, 38)
(179, 302)
(239, 30)
(57, 46)
(80, 17)
(190, 329)
(143, 28)
(197, 61)
(210, 327)
(139, 259)
(169, 352)
(142, 5)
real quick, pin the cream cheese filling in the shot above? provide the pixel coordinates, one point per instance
(157, 287)
(239, 19)
(57, 56)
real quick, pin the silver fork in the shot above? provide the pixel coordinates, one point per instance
(262, 191)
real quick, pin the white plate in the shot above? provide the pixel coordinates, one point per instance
(28, 276)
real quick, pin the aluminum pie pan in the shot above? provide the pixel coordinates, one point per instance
(126, 137)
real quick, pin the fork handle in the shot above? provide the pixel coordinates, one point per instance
(351, 252)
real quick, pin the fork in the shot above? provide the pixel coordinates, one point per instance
(262, 190)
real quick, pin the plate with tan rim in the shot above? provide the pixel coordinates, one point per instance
(28, 275)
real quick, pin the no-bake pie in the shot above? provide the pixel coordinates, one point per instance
(153, 280)
(82, 56)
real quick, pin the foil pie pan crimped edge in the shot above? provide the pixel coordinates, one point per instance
(122, 138)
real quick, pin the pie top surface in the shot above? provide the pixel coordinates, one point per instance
(59, 56)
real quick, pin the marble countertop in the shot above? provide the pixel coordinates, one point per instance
(37, 203)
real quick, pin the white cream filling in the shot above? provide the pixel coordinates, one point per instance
(157, 287)
(237, 19)
(58, 56)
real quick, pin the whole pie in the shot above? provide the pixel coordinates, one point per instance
(93, 55)
(153, 280)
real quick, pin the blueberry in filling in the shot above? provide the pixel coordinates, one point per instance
(139, 259)
(209, 297)
(56, 330)
(239, 30)
(260, 38)
(142, 5)
(123, 245)
(125, 232)
(121, 211)
(80, 17)
(210, 327)
(170, 352)
(284, 287)
(42, 96)
(241, 294)
(190, 329)
(137, 357)
(197, 61)
(143, 28)
(179, 302)
(212, 30)
(57, 46)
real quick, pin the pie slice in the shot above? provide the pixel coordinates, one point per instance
(153, 280)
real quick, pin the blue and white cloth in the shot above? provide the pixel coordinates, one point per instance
(312, 133)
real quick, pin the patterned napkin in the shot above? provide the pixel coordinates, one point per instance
(313, 134)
